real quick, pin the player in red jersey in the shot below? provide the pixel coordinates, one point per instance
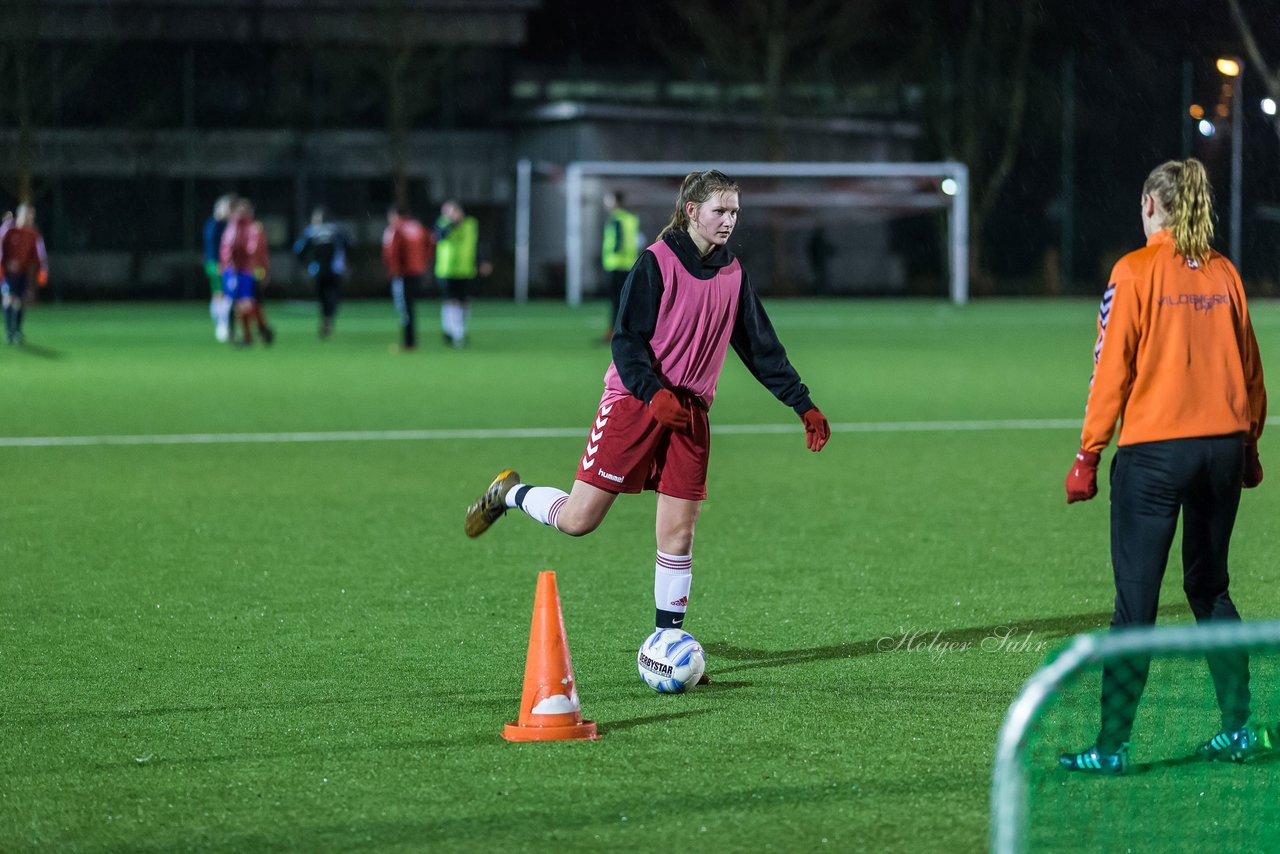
(685, 302)
(22, 258)
(407, 250)
(245, 268)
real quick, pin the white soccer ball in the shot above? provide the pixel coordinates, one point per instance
(671, 661)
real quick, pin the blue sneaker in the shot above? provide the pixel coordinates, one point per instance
(1237, 745)
(1094, 762)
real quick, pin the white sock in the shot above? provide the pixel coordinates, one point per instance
(672, 577)
(540, 502)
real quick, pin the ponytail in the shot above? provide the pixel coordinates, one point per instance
(697, 187)
(1182, 188)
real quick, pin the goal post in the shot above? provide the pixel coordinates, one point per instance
(1164, 801)
(949, 193)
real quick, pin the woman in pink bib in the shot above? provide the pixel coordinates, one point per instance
(685, 302)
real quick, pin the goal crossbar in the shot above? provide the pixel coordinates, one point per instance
(576, 172)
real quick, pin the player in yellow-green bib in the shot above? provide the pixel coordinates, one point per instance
(457, 245)
(618, 252)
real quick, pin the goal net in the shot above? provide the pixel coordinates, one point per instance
(807, 229)
(1170, 799)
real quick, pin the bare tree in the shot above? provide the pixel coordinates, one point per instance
(772, 42)
(1257, 63)
(980, 53)
(20, 52)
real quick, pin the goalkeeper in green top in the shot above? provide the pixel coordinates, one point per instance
(219, 304)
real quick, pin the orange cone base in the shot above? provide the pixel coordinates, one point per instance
(585, 731)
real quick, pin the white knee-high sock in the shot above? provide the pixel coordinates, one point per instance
(542, 503)
(451, 321)
(672, 577)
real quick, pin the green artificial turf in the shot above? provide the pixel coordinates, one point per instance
(290, 645)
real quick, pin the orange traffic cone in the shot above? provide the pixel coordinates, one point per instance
(549, 708)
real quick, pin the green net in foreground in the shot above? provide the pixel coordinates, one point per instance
(1172, 795)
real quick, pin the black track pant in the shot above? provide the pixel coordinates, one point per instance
(1150, 484)
(327, 293)
(404, 291)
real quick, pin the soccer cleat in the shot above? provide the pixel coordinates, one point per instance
(488, 507)
(1094, 762)
(268, 335)
(1237, 745)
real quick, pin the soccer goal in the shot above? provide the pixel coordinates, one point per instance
(811, 229)
(1170, 800)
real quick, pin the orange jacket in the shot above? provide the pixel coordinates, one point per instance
(1176, 356)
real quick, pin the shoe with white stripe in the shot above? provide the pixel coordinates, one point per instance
(489, 507)
(1237, 745)
(1094, 762)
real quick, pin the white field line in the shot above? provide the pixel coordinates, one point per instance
(513, 433)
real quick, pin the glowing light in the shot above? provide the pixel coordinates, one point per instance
(949, 186)
(1229, 67)
(1205, 127)
(1196, 111)
(1269, 106)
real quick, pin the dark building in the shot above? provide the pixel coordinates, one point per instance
(123, 121)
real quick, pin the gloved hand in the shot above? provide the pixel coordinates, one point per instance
(1082, 480)
(667, 410)
(816, 429)
(1252, 465)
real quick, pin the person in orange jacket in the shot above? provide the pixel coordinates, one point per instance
(1177, 363)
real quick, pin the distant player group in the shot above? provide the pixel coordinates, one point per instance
(237, 263)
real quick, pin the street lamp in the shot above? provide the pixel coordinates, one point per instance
(1234, 68)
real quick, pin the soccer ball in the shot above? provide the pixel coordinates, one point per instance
(671, 661)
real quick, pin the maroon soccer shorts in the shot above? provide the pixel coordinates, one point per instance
(629, 451)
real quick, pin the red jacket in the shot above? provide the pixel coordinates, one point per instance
(407, 248)
(244, 247)
(21, 249)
